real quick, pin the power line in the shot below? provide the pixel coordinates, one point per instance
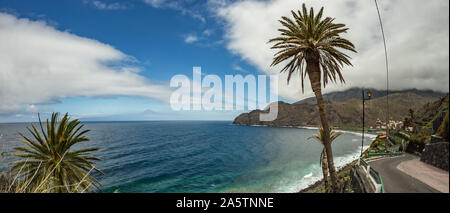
(387, 67)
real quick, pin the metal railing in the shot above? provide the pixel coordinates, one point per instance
(383, 154)
(373, 176)
(376, 177)
(363, 163)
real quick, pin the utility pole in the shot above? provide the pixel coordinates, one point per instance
(369, 95)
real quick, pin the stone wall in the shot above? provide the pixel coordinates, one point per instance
(436, 154)
(414, 148)
(436, 139)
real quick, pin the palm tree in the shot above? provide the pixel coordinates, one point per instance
(50, 163)
(309, 43)
(323, 156)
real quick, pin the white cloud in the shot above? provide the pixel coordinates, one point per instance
(239, 68)
(31, 108)
(112, 6)
(207, 32)
(190, 39)
(39, 64)
(155, 3)
(178, 6)
(106, 6)
(201, 36)
(417, 37)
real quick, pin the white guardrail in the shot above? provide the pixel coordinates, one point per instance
(372, 175)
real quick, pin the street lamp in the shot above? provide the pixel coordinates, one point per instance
(369, 95)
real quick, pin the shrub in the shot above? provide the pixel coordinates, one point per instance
(443, 129)
(422, 137)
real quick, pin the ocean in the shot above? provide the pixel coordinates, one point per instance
(203, 156)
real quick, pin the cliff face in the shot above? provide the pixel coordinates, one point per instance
(304, 114)
(339, 113)
(288, 115)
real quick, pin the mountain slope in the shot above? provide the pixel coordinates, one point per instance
(431, 114)
(340, 113)
(356, 93)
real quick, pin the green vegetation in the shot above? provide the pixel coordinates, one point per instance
(396, 139)
(352, 128)
(377, 146)
(344, 178)
(423, 121)
(443, 129)
(423, 137)
(311, 40)
(428, 113)
(50, 163)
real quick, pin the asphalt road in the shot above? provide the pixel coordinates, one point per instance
(396, 181)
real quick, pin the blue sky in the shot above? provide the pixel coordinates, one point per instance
(113, 60)
(157, 39)
(154, 36)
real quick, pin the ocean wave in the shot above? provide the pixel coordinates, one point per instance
(307, 127)
(308, 175)
(315, 172)
(367, 135)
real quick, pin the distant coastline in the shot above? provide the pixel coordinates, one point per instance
(314, 128)
(344, 112)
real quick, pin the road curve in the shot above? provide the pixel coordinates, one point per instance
(396, 181)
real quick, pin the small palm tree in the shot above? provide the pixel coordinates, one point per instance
(50, 163)
(323, 156)
(411, 114)
(310, 45)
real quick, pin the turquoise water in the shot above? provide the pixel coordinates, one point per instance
(204, 156)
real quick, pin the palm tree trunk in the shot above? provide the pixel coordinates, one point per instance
(313, 70)
(58, 182)
(325, 168)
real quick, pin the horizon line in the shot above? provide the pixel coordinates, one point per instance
(109, 121)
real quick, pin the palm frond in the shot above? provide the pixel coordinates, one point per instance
(310, 35)
(50, 164)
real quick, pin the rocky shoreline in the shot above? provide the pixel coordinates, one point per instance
(313, 188)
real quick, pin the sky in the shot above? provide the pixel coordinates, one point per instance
(106, 60)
